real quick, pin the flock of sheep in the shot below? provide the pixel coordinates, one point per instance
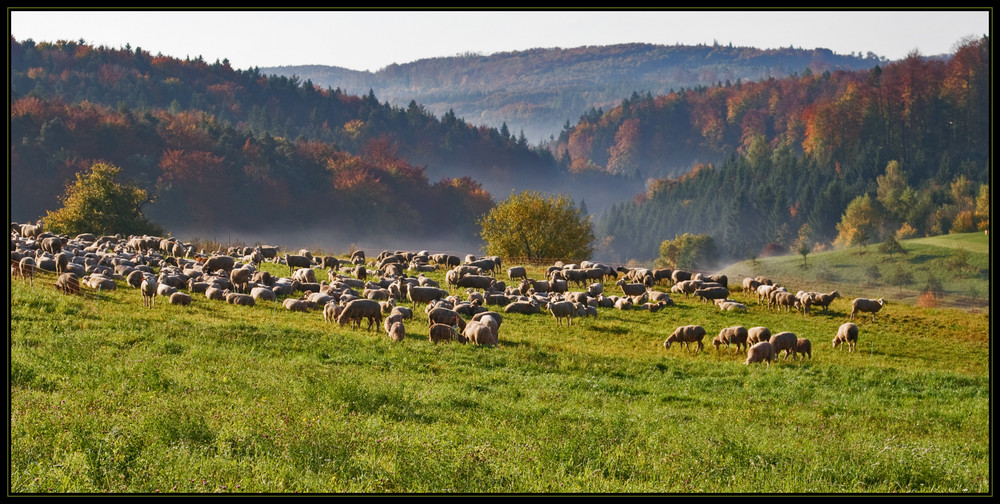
(374, 291)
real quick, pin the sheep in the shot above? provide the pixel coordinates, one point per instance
(784, 299)
(304, 275)
(819, 299)
(296, 262)
(331, 311)
(445, 316)
(402, 310)
(561, 310)
(493, 324)
(358, 309)
(761, 352)
(479, 333)
(517, 272)
(732, 306)
(263, 294)
(847, 333)
(784, 341)
(423, 295)
(219, 262)
(441, 332)
(631, 289)
(26, 268)
(736, 335)
(686, 334)
(750, 285)
(525, 307)
(148, 289)
(758, 334)
(803, 346)
(164, 290)
(711, 293)
(866, 305)
(686, 287)
(216, 293)
(480, 282)
(67, 283)
(180, 298)
(679, 276)
(236, 298)
(397, 332)
(240, 277)
(296, 305)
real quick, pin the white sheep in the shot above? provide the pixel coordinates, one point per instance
(686, 334)
(784, 341)
(736, 335)
(761, 352)
(847, 333)
(867, 306)
(148, 289)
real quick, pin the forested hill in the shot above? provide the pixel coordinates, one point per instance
(225, 149)
(537, 91)
(846, 156)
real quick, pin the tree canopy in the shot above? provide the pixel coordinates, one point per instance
(97, 203)
(688, 251)
(531, 225)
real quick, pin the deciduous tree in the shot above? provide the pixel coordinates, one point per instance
(534, 226)
(97, 203)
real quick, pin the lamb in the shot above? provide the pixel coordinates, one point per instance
(686, 334)
(359, 309)
(758, 334)
(803, 346)
(331, 311)
(784, 341)
(736, 335)
(148, 289)
(441, 332)
(761, 352)
(561, 310)
(67, 283)
(866, 305)
(848, 334)
(180, 298)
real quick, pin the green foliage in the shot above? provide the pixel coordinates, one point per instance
(688, 251)
(534, 226)
(98, 203)
(891, 246)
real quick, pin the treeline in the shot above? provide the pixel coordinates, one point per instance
(221, 148)
(536, 90)
(794, 153)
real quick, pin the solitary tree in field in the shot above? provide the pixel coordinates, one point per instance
(97, 203)
(533, 226)
(688, 251)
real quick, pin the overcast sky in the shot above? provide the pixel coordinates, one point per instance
(369, 40)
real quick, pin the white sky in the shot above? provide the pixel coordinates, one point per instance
(369, 40)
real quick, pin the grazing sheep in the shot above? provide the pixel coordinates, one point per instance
(631, 289)
(781, 299)
(180, 298)
(441, 332)
(331, 311)
(867, 306)
(736, 335)
(803, 346)
(758, 334)
(479, 333)
(784, 341)
(219, 262)
(686, 334)
(447, 316)
(847, 333)
(819, 299)
(761, 352)
(517, 272)
(148, 289)
(359, 309)
(67, 283)
(424, 295)
(402, 310)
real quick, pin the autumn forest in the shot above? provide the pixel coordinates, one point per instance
(764, 165)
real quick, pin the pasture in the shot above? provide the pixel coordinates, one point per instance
(109, 396)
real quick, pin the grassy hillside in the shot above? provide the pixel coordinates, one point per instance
(106, 396)
(959, 262)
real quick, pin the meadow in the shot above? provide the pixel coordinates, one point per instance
(108, 396)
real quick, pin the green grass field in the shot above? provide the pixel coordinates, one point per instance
(960, 262)
(106, 396)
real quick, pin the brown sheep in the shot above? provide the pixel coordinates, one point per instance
(686, 334)
(180, 298)
(479, 333)
(397, 332)
(866, 305)
(67, 283)
(359, 309)
(758, 334)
